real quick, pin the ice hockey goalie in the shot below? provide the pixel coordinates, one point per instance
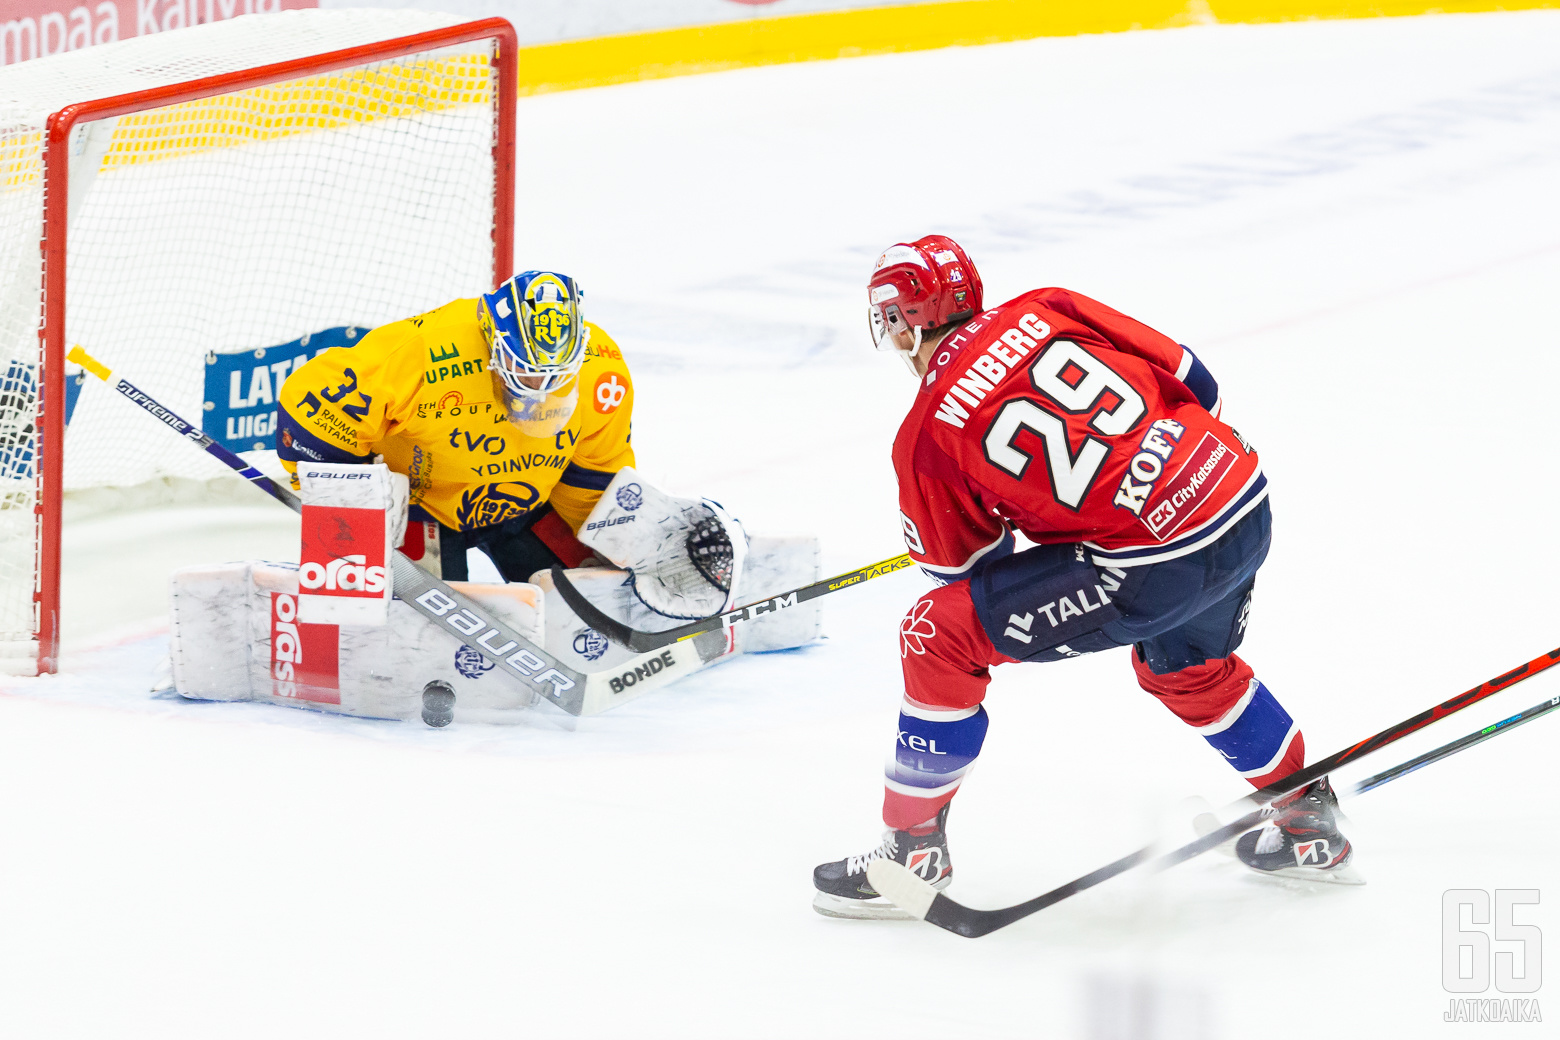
(464, 428)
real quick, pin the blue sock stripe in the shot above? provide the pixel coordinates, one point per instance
(929, 748)
(1254, 737)
(902, 776)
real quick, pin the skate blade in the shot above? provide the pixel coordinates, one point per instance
(878, 909)
(1344, 875)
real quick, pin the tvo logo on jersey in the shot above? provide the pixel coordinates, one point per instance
(346, 574)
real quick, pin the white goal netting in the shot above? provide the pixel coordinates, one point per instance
(234, 223)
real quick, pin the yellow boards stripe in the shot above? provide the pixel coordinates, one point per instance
(883, 30)
(402, 88)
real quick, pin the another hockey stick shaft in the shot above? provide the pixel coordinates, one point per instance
(1461, 744)
(1386, 776)
(462, 617)
(915, 895)
(642, 642)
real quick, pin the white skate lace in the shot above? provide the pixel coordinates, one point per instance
(1270, 839)
(887, 849)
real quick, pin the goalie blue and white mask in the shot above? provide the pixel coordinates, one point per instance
(535, 327)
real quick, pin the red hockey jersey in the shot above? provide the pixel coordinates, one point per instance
(1063, 419)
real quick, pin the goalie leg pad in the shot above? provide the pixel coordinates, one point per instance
(379, 671)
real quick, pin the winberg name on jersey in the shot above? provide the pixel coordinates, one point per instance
(1108, 437)
(989, 370)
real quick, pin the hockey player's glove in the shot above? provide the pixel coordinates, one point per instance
(684, 555)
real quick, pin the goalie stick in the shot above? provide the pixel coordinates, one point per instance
(578, 693)
(909, 892)
(644, 642)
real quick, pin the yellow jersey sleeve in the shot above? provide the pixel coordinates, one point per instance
(605, 440)
(336, 407)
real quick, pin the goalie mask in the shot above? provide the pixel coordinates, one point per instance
(535, 327)
(924, 284)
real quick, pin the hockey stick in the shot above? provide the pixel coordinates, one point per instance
(1460, 744)
(578, 693)
(643, 642)
(909, 892)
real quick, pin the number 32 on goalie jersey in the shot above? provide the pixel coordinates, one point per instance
(1076, 382)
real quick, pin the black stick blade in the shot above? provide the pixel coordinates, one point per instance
(593, 616)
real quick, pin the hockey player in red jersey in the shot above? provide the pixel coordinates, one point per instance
(1099, 439)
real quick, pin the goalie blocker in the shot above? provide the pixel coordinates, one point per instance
(353, 518)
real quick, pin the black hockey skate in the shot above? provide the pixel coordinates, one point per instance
(1301, 839)
(842, 886)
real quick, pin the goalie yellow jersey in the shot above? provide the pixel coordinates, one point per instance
(419, 393)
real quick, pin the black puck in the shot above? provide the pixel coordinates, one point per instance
(438, 704)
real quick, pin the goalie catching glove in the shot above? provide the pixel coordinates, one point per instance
(684, 555)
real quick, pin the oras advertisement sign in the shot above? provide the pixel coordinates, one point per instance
(34, 28)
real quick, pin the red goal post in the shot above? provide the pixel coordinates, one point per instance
(408, 92)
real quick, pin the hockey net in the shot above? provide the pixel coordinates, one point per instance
(253, 183)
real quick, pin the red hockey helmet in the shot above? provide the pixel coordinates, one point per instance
(923, 284)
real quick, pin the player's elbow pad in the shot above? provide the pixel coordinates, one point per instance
(1198, 380)
(296, 443)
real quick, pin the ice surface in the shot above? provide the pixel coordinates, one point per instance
(1356, 226)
